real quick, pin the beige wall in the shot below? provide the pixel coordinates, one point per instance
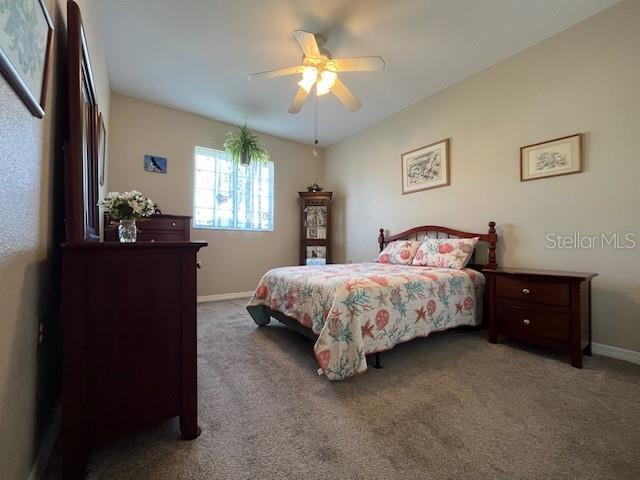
(586, 79)
(234, 261)
(30, 226)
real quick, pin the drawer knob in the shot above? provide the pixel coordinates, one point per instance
(173, 224)
(526, 291)
(199, 264)
(526, 321)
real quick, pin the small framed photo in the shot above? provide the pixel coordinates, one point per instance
(426, 167)
(26, 34)
(155, 164)
(560, 156)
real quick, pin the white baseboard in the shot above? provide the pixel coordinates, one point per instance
(616, 352)
(42, 460)
(224, 296)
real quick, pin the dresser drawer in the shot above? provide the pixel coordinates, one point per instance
(159, 236)
(531, 320)
(159, 223)
(167, 228)
(538, 291)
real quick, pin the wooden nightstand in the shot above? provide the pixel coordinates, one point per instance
(545, 307)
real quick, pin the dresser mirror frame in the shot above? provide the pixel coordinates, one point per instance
(81, 150)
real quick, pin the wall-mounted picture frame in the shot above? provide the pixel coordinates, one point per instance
(155, 164)
(426, 167)
(26, 38)
(102, 148)
(552, 158)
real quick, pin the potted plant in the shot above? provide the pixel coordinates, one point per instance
(126, 208)
(243, 147)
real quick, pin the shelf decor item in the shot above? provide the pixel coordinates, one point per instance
(26, 34)
(126, 208)
(243, 147)
(314, 187)
(426, 167)
(560, 156)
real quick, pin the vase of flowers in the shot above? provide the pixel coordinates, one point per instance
(127, 231)
(126, 208)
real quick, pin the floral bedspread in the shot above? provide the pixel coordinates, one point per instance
(359, 309)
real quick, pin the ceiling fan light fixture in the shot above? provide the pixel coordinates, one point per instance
(309, 77)
(327, 79)
(319, 69)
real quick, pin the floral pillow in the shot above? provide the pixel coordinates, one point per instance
(445, 252)
(400, 252)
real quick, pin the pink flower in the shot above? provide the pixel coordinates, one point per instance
(445, 248)
(323, 358)
(382, 318)
(262, 292)
(384, 258)
(468, 303)
(419, 256)
(431, 307)
(405, 254)
(431, 276)
(379, 280)
(290, 301)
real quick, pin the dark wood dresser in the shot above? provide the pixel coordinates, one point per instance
(129, 342)
(550, 308)
(128, 309)
(156, 228)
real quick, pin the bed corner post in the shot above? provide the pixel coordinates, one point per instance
(381, 239)
(492, 240)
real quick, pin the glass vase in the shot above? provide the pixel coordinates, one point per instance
(127, 231)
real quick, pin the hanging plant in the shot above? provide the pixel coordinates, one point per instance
(243, 147)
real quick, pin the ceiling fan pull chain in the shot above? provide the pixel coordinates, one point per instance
(315, 124)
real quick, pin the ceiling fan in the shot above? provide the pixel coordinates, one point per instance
(319, 69)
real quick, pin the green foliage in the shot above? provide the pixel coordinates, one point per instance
(415, 289)
(244, 147)
(357, 302)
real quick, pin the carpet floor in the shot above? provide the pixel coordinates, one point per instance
(451, 406)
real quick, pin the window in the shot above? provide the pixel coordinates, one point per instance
(232, 196)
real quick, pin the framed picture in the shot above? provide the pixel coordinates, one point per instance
(426, 167)
(102, 148)
(26, 34)
(155, 164)
(560, 156)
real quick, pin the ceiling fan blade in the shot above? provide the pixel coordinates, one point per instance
(340, 90)
(357, 64)
(280, 72)
(308, 43)
(298, 100)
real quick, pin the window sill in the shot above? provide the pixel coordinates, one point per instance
(223, 229)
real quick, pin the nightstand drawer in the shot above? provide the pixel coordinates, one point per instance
(530, 320)
(539, 291)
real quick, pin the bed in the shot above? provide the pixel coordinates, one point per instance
(357, 310)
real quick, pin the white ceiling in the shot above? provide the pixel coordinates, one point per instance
(195, 55)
